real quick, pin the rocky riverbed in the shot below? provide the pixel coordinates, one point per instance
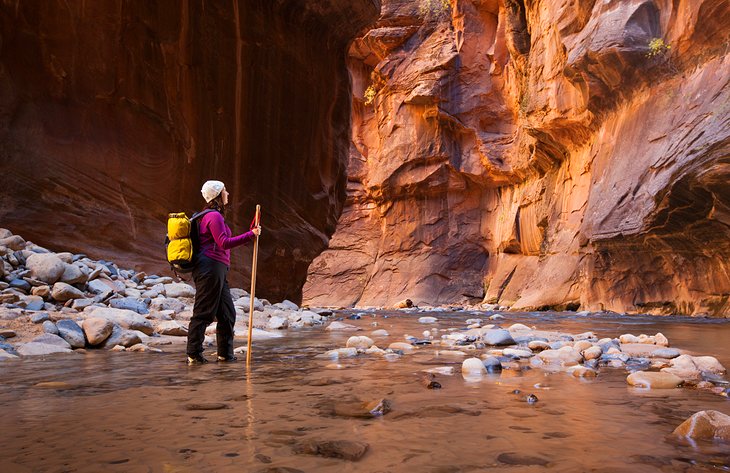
(55, 304)
(63, 302)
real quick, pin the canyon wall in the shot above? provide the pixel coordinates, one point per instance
(567, 154)
(113, 113)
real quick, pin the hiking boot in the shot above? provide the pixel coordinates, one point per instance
(226, 359)
(197, 360)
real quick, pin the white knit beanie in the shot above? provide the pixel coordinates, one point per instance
(211, 190)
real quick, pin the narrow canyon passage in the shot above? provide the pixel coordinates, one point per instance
(113, 114)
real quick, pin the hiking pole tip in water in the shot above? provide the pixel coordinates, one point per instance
(257, 223)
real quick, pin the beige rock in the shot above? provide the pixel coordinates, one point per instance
(582, 345)
(41, 291)
(705, 425)
(592, 353)
(63, 292)
(359, 342)
(97, 329)
(402, 346)
(653, 380)
(565, 356)
(582, 372)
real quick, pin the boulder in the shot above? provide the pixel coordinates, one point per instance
(653, 380)
(565, 356)
(100, 287)
(538, 345)
(62, 292)
(46, 267)
(359, 342)
(122, 337)
(592, 353)
(473, 366)
(173, 328)
(126, 319)
(179, 289)
(39, 318)
(97, 329)
(708, 364)
(287, 305)
(71, 332)
(32, 302)
(497, 337)
(72, 274)
(81, 304)
(705, 425)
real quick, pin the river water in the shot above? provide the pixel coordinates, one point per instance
(129, 412)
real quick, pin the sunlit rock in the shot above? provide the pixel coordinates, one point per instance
(653, 380)
(705, 425)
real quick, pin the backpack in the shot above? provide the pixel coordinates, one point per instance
(182, 242)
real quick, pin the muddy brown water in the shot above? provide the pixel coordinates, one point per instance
(129, 412)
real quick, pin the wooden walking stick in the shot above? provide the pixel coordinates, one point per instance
(257, 221)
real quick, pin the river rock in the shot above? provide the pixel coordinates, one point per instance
(50, 327)
(14, 242)
(667, 353)
(81, 304)
(517, 353)
(21, 285)
(164, 303)
(427, 320)
(661, 340)
(341, 326)
(46, 267)
(359, 342)
(127, 319)
(709, 364)
(538, 345)
(72, 274)
(338, 353)
(277, 322)
(97, 329)
(579, 371)
(492, 364)
(592, 353)
(7, 356)
(40, 349)
(62, 292)
(43, 291)
(32, 302)
(130, 303)
(519, 328)
(345, 449)
(565, 356)
(100, 287)
(121, 336)
(705, 425)
(179, 289)
(173, 328)
(50, 339)
(402, 346)
(287, 305)
(653, 380)
(582, 345)
(497, 337)
(472, 367)
(39, 318)
(379, 333)
(71, 332)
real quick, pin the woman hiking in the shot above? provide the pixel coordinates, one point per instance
(212, 294)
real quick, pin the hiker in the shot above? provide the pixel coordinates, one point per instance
(213, 296)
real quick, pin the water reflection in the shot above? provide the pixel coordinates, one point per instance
(150, 412)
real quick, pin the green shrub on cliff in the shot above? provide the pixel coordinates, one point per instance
(429, 8)
(657, 47)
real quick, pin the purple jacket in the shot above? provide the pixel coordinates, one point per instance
(216, 240)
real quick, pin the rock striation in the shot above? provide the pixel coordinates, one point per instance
(537, 155)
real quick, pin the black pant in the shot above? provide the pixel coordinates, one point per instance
(212, 300)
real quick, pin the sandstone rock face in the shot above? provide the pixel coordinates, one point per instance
(113, 114)
(537, 155)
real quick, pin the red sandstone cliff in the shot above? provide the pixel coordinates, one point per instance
(538, 154)
(114, 112)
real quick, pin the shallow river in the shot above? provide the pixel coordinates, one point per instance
(130, 412)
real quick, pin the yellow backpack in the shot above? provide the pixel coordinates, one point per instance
(182, 241)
